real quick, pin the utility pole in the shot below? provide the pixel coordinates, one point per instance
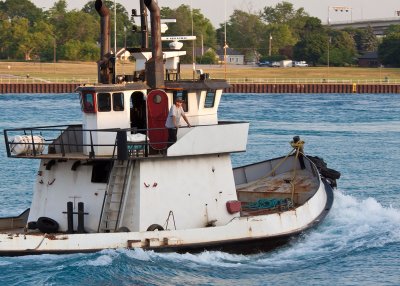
(270, 45)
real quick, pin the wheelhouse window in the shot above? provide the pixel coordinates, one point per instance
(183, 95)
(104, 102)
(88, 103)
(118, 101)
(210, 99)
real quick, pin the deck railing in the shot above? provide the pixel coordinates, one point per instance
(64, 141)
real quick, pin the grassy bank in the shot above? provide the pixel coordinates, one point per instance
(87, 71)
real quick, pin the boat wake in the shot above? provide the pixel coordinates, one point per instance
(353, 225)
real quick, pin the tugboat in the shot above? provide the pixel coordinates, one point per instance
(116, 182)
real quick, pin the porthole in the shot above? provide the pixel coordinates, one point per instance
(157, 99)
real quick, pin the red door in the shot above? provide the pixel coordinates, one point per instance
(157, 113)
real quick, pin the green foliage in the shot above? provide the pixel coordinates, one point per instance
(282, 13)
(22, 9)
(282, 37)
(124, 25)
(27, 32)
(75, 50)
(245, 33)
(209, 57)
(365, 39)
(389, 49)
(311, 48)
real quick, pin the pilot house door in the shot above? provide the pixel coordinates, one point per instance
(157, 113)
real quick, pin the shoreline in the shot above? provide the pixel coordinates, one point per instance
(17, 88)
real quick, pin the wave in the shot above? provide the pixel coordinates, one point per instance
(353, 225)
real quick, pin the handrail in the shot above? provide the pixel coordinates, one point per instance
(53, 137)
(311, 80)
(24, 80)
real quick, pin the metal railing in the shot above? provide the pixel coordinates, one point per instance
(312, 81)
(67, 141)
(30, 80)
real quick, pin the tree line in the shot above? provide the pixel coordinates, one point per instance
(274, 33)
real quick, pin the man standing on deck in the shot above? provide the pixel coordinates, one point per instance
(173, 119)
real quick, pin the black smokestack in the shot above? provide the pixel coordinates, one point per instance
(104, 13)
(106, 64)
(155, 66)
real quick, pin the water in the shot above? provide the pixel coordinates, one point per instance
(357, 244)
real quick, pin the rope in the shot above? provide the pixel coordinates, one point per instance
(298, 146)
(269, 204)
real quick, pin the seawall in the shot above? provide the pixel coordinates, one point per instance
(235, 88)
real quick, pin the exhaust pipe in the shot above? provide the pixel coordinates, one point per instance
(106, 64)
(155, 66)
(104, 13)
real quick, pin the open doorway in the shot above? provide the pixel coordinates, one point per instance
(138, 112)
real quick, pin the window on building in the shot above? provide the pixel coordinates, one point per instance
(210, 99)
(182, 94)
(104, 102)
(118, 101)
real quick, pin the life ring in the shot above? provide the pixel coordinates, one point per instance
(47, 225)
(154, 227)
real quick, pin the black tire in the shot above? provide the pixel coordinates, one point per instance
(32, 225)
(154, 227)
(47, 225)
(330, 173)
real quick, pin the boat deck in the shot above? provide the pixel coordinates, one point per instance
(297, 187)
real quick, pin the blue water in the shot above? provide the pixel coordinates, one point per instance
(357, 244)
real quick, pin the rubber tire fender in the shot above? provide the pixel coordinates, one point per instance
(47, 225)
(154, 227)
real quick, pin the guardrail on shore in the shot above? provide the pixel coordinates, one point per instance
(313, 80)
(31, 80)
(35, 80)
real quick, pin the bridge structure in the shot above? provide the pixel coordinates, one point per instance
(379, 26)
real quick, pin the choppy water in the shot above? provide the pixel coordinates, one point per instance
(357, 244)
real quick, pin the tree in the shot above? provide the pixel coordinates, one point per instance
(282, 13)
(282, 39)
(22, 9)
(342, 49)
(246, 33)
(124, 24)
(209, 57)
(365, 39)
(314, 42)
(389, 49)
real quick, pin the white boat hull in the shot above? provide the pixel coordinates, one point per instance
(241, 235)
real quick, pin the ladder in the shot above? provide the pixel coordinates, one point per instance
(115, 196)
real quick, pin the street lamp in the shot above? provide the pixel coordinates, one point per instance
(342, 9)
(270, 45)
(329, 46)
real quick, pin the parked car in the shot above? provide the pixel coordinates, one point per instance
(300, 64)
(275, 64)
(264, 64)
